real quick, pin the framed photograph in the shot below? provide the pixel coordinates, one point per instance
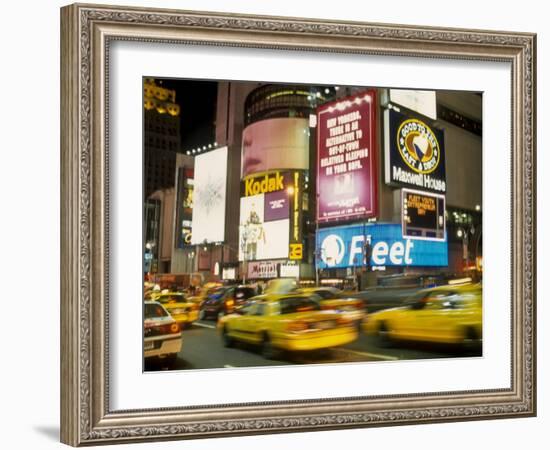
(278, 225)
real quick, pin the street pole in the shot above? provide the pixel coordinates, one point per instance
(317, 252)
(463, 233)
(245, 239)
(317, 249)
(221, 265)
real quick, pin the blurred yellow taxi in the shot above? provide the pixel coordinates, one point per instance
(291, 322)
(183, 311)
(335, 299)
(445, 314)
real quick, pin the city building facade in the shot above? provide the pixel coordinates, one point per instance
(331, 185)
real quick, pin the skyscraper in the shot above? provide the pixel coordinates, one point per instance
(161, 136)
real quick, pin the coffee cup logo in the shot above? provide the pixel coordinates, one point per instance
(418, 146)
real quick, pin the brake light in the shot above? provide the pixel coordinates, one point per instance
(170, 328)
(295, 327)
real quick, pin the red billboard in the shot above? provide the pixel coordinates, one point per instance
(346, 158)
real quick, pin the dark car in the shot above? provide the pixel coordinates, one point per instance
(394, 290)
(225, 300)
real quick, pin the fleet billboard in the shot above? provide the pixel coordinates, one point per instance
(414, 152)
(346, 158)
(209, 196)
(344, 246)
(275, 144)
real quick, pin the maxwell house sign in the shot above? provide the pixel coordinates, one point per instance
(414, 150)
(344, 246)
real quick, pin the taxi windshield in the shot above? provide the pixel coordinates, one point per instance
(298, 304)
(152, 311)
(327, 294)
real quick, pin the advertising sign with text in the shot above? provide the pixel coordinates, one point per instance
(184, 207)
(423, 215)
(262, 269)
(264, 227)
(346, 158)
(415, 153)
(344, 246)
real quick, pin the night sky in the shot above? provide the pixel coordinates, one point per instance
(197, 100)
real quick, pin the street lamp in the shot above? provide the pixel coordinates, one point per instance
(318, 258)
(244, 246)
(464, 233)
(149, 255)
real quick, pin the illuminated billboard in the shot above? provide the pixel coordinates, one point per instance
(415, 153)
(271, 216)
(264, 226)
(184, 207)
(275, 144)
(344, 246)
(209, 196)
(346, 162)
(423, 215)
(423, 102)
(262, 269)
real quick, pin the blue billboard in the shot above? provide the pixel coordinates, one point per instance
(344, 246)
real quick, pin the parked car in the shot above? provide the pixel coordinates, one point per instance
(291, 322)
(225, 300)
(161, 333)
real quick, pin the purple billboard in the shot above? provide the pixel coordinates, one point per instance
(276, 206)
(346, 158)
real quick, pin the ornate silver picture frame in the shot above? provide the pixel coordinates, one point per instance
(87, 34)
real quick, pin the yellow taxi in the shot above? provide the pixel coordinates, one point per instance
(180, 308)
(335, 299)
(445, 314)
(291, 322)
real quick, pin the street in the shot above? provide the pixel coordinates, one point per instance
(203, 349)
